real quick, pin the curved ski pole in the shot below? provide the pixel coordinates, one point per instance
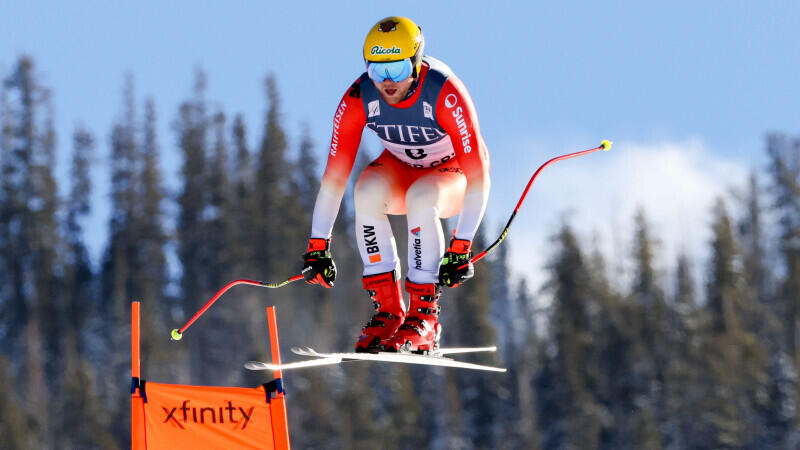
(177, 333)
(605, 145)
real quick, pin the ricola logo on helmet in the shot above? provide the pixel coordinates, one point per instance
(378, 50)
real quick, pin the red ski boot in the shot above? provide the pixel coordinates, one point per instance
(421, 330)
(384, 289)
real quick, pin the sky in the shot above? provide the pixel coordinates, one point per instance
(686, 90)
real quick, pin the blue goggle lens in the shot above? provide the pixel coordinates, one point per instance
(396, 71)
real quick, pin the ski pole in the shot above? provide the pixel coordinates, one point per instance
(605, 146)
(177, 333)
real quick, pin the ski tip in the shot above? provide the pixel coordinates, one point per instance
(254, 365)
(454, 350)
(258, 365)
(606, 144)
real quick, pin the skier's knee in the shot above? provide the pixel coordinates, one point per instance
(419, 198)
(369, 195)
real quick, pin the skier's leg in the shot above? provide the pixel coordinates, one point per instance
(380, 190)
(437, 194)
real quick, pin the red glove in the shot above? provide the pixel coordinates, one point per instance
(318, 265)
(451, 272)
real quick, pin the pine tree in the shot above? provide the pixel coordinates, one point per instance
(118, 261)
(242, 243)
(683, 405)
(302, 186)
(220, 201)
(524, 432)
(762, 318)
(356, 410)
(243, 203)
(149, 276)
(30, 240)
(618, 328)
(194, 233)
(512, 317)
(271, 187)
(14, 425)
(81, 420)
(780, 410)
(734, 364)
(307, 176)
(645, 287)
(723, 302)
(6, 189)
(572, 416)
(134, 263)
(751, 230)
(86, 423)
(223, 253)
(117, 265)
(784, 170)
(79, 280)
(654, 355)
(468, 317)
(504, 313)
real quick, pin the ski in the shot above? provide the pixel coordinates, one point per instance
(454, 350)
(434, 358)
(258, 365)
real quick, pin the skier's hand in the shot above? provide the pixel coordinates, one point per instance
(318, 265)
(459, 254)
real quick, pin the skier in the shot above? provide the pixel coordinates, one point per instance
(435, 165)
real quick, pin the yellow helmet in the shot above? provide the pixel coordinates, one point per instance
(393, 39)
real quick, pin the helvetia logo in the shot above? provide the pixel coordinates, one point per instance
(417, 248)
(206, 415)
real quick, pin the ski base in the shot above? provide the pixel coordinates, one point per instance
(433, 358)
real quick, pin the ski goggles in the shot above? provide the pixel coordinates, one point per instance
(396, 71)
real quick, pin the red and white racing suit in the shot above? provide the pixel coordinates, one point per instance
(435, 165)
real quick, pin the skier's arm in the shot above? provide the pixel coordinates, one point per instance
(348, 125)
(457, 116)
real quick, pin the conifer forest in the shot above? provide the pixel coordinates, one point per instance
(666, 361)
